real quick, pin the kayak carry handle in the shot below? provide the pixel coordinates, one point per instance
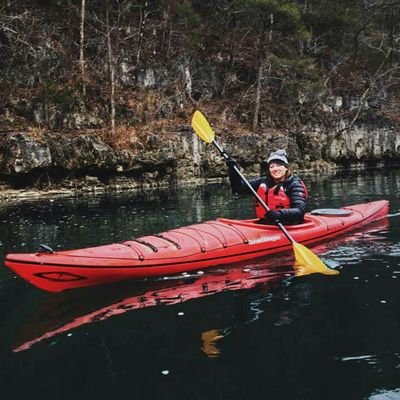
(45, 249)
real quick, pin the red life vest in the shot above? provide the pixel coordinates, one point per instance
(274, 201)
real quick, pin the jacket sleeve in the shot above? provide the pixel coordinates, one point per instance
(238, 186)
(297, 194)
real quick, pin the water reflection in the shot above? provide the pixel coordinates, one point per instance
(353, 187)
(353, 247)
(67, 311)
(210, 339)
(261, 335)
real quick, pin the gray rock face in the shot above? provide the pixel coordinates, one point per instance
(363, 144)
(180, 156)
(82, 153)
(20, 154)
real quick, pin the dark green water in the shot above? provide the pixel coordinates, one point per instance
(246, 332)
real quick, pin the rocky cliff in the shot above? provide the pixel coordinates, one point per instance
(98, 95)
(180, 157)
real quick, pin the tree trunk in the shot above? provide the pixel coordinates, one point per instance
(261, 57)
(258, 97)
(142, 22)
(111, 67)
(81, 47)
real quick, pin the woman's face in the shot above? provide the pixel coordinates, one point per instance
(277, 171)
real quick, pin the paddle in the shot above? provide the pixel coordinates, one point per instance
(306, 262)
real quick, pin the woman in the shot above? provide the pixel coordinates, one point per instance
(285, 194)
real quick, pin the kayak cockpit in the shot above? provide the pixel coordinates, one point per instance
(254, 223)
(311, 219)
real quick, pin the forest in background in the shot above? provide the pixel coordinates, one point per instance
(125, 68)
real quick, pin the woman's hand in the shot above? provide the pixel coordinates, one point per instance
(273, 216)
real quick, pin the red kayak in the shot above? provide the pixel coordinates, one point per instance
(194, 247)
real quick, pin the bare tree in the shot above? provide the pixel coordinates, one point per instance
(111, 67)
(144, 13)
(82, 46)
(261, 59)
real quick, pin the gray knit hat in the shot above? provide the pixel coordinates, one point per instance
(279, 156)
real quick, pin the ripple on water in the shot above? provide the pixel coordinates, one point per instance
(394, 250)
(368, 358)
(385, 394)
(354, 251)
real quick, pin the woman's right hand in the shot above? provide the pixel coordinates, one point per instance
(273, 216)
(230, 161)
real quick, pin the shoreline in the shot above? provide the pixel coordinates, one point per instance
(10, 195)
(78, 188)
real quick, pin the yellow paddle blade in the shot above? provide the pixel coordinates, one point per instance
(202, 127)
(306, 262)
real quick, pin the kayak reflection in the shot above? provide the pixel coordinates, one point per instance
(66, 311)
